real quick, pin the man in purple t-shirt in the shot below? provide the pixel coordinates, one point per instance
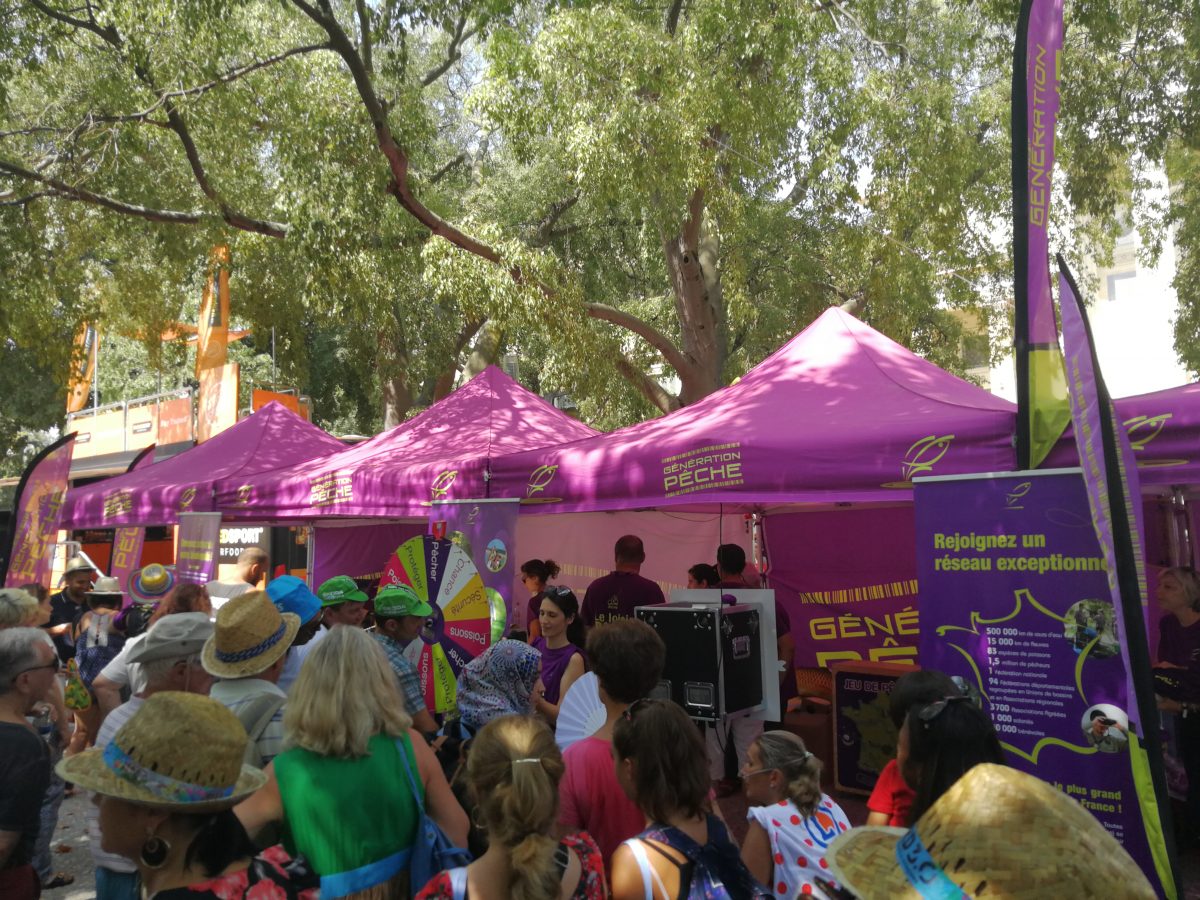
(615, 595)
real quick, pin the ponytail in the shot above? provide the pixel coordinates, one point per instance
(785, 752)
(514, 769)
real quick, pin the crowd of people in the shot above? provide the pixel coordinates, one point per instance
(275, 743)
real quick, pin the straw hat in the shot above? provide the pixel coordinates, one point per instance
(179, 751)
(251, 635)
(77, 564)
(151, 583)
(997, 825)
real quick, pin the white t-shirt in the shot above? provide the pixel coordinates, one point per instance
(801, 843)
(221, 592)
(121, 672)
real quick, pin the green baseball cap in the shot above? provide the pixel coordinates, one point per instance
(340, 589)
(398, 600)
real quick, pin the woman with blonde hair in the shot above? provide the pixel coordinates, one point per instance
(18, 608)
(513, 771)
(791, 822)
(339, 790)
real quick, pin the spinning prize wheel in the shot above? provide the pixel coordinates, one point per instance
(460, 627)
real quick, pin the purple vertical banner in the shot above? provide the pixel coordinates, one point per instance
(1042, 409)
(198, 541)
(1114, 501)
(128, 540)
(1015, 601)
(37, 512)
(487, 530)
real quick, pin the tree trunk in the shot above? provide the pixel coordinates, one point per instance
(486, 350)
(692, 262)
(397, 400)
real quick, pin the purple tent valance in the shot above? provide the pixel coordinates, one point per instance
(442, 454)
(155, 495)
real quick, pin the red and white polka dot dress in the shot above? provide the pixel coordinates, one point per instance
(798, 844)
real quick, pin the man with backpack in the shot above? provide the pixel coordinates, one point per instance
(247, 653)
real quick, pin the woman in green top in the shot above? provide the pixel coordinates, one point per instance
(339, 790)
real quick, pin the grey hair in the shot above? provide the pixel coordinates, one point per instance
(17, 607)
(18, 653)
(1189, 582)
(785, 752)
(156, 670)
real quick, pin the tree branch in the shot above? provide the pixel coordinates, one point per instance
(545, 228)
(453, 52)
(150, 214)
(647, 386)
(364, 28)
(108, 35)
(644, 329)
(82, 194)
(673, 12)
(447, 168)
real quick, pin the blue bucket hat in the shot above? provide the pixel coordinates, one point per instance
(290, 594)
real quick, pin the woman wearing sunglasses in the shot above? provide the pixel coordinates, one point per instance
(941, 742)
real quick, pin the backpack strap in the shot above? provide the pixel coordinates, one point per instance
(648, 874)
(255, 716)
(458, 882)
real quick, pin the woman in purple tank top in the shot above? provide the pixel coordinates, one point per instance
(560, 644)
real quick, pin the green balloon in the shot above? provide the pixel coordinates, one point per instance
(499, 613)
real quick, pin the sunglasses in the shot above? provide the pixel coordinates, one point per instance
(56, 665)
(635, 706)
(935, 709)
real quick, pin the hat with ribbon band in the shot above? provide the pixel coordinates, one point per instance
(251, 634)
(179, 751)
(997, 834)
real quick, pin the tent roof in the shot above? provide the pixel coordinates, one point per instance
(840, 412)
(274, 436)
(442, 453)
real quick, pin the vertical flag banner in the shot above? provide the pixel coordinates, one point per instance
(199, 541)
(218, 405)
(128, 540)
(212, 345)
(1043, 410)
(1110, 474)
(36, 514)
(83, 368)
(487, 531)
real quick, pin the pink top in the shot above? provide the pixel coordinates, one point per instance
(590, 798)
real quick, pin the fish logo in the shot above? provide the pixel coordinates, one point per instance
(1141, 430)
(539, 479)
(1012, 497)
(924, 454)
(187, 498)
(441, 484)
(245, 494)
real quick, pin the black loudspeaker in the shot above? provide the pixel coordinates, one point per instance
(714, 657)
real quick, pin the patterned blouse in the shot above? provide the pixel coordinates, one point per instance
(272, 875)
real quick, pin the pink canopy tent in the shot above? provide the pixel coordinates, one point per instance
(839, 413)
(1164, 430)
(443, 454)
(155, 495)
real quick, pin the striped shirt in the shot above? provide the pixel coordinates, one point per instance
(239, 692)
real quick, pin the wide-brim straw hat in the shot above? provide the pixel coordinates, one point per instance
(179, 751)
(998, 833)
(251, 634)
